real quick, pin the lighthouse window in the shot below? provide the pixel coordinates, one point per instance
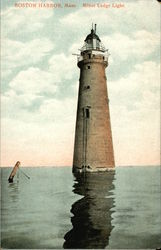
(86, 87)
(89, 56)
(88, 67)
(87, 113)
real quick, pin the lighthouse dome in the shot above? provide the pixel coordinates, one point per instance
(93, 42)
(92, 36)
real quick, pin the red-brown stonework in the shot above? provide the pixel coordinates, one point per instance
(93, 149)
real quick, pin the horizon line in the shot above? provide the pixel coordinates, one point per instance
(49, 166)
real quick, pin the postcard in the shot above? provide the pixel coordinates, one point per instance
(80, 124)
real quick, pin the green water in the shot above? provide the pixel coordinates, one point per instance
(55, 210)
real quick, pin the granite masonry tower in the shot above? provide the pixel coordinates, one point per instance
(93, 149)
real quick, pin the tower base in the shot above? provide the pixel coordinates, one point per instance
(93, 169)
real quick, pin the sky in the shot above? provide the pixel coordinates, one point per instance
(40, 79)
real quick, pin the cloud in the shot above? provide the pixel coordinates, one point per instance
(22, 21)
(127, 20)
(135, 115)
(62, 66)
(60, 111)
(31, 89)
(18, 54)
(50, 111)
(34, 81)
(32, 97)
(26, 93)
(129, 89)
(138, 45)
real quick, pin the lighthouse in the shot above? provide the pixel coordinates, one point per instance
(93, 147)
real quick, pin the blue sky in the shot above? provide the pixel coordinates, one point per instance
(40, 80)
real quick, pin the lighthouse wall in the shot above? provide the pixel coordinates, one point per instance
(93, 138)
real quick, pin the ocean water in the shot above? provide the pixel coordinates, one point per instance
(54, 210)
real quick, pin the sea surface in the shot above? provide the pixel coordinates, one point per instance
(53, 209)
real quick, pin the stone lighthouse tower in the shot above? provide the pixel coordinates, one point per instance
(93, 149)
